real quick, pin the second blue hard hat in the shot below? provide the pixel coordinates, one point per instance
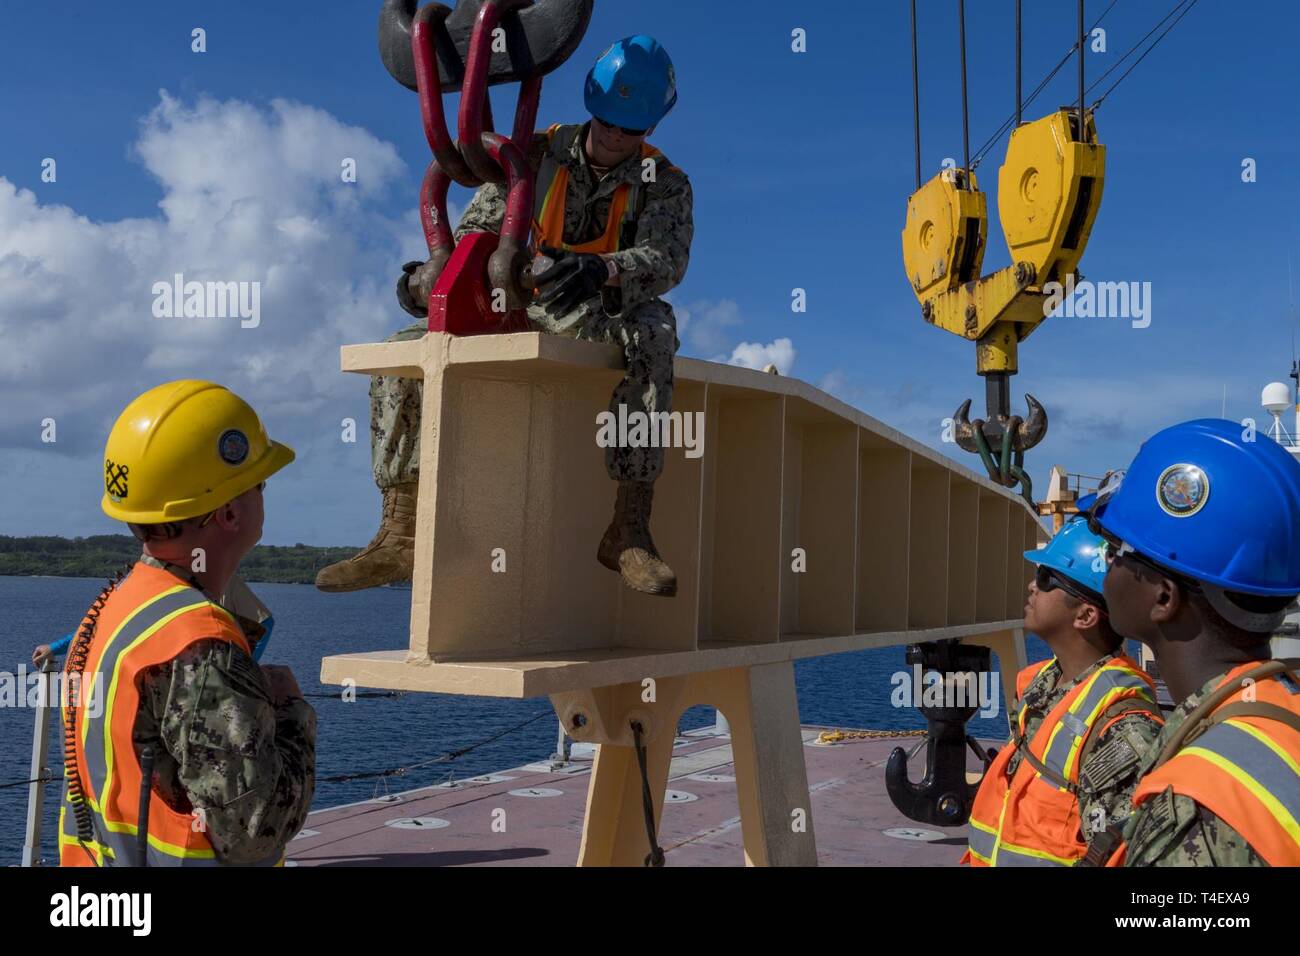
(632, 84)
(1077, 554)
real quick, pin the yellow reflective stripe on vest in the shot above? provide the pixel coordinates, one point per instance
(1066, 738)
(982, 842)
(163, 847)
(1020, 698)
(1259, 765)
(87, 693)
(1003, 853)
(1008, 854)
(70, 839)
(98, 747)
(112, 691)
(1002, 817)
(548, 172)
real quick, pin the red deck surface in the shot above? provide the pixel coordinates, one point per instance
(850, 810)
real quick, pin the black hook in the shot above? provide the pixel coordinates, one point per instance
(943, 797)
(1025, 432)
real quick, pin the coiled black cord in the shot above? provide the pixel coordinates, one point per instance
(78, 654)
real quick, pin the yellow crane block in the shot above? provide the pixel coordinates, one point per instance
(1049, 191)
(943, 240)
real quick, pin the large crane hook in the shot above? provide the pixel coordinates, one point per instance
(945, 795)
(1002, 439)
(1049, 192)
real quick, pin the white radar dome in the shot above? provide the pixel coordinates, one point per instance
(1276, 397)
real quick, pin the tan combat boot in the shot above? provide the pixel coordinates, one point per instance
(390, 555)
(627, 546)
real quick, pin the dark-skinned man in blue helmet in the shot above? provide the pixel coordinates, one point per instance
(1082, 722)
(615, 219)
(1202, 536)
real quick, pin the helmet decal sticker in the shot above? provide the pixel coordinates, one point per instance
(1182, 490)
(115, 476)
(232, 446)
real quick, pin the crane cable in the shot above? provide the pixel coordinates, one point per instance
(1014, 119)
(965, 120)
(1186, 5)
(1018, 45)
(1181, 8)
(441, 758)
(916, 101)
(1178, 11)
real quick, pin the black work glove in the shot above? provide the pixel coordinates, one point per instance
(404, 297)
(573, 279)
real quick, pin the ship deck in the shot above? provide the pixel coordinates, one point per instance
(532, 815)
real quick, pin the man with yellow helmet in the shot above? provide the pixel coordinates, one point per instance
(168, 691)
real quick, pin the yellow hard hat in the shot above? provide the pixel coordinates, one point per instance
(184, 449)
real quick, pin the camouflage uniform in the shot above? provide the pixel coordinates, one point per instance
(630, 315)
(1111, 773)
(1173, 830)
(222, 745)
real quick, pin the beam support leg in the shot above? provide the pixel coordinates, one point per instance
(766, 747)
(767, 750)
(613, 832)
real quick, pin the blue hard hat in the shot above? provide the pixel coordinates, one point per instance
(1078, 555)
(632, 84)
(1206, 503)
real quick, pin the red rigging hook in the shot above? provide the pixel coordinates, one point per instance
(458, 303)
(430, 89)
(474, 121)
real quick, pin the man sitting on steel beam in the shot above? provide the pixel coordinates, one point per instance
(616, 218)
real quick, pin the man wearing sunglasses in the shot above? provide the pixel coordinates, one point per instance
(1205, 562)
(1083, 720)
(613, 221)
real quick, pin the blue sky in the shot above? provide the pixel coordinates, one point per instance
(801, 164)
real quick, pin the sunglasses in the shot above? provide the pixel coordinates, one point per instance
(1117, 549)
(1045, 579)
(622, 129)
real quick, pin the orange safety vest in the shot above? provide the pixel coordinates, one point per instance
(1032, 819)
(551, 190)
(1245, 769)
(146, 621)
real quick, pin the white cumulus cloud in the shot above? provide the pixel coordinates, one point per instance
(703, 324)
(755, 355)
(250, 193)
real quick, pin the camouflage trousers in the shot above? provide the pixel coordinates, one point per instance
(647, 334)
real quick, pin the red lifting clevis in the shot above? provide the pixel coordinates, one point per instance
(481, 285)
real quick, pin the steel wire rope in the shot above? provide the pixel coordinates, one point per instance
(1011, 121)
(445, 757)
(1187, 6)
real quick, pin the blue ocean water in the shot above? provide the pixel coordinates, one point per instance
(846, 690)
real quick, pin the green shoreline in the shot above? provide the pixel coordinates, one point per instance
(98, 556)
